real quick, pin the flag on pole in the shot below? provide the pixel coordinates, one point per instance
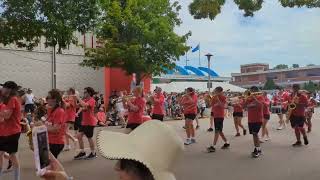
(197, 48)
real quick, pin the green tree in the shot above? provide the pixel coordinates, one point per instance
(281, 66)
(309, 65)
(310, 86)
(295, 66)
(211, 8)
(269, 85)
(25, 22)
(139, 37)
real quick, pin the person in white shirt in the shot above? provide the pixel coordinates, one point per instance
(120, 109)
(29, 100)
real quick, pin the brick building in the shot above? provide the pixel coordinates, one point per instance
(257, 74)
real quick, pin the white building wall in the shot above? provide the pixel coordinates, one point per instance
(32, 69)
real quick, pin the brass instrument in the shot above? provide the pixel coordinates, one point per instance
(247, 94)
(29, 135)
(123, 98)
(127, 98)
(291, 107)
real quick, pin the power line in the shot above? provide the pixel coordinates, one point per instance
(40, 60)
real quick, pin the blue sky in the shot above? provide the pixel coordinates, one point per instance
(274, 35)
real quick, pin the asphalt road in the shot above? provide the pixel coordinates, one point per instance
(280, 161)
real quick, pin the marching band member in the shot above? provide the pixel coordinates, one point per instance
(312, 103)
(281, 99)
(255, 104)
(158, 105)
(189, 103)
(219, 102)
(135, 108)
(238, 115)
(266, 117)
(297, 114)
(10, 127)
(56, 123)
(88, 123)
(70, 104)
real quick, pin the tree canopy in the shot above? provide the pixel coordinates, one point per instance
(311, 86)
(295, 66)
(281, 66)
(269, 85)
(139, 37)
(201, 9)
(25, 22)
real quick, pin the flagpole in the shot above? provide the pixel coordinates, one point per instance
(199, 55)
(187, 58)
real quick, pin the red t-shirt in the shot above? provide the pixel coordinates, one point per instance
(255, 109)
(57, 118)
(70, 111)
(218, 105)
(88, 118)
(136, 117)
(285, 98)
(12, 125)
(266, 106)
(238, 107)
(2, 106)
(301, 106)
(158, 106)
(101, 116)
(189, 104)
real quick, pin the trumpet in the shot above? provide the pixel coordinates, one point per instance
(124, 98)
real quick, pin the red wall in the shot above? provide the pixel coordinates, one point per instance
(117, 80)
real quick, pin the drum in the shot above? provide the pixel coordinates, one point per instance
(276, 109)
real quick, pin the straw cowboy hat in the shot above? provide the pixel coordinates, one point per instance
(154, 144)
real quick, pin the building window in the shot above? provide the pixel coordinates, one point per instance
(253, 78)
(272, 76)
(292, 74)
(237, 79)
(311, 73)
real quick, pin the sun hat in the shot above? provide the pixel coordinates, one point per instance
(154, 144)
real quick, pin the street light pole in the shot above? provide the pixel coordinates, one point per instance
(54, 68)
(209, 77)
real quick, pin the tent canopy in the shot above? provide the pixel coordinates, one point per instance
(198, 86)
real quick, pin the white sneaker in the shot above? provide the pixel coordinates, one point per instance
(280, 128)
(67, 148)
(188, 142)
(267, 139)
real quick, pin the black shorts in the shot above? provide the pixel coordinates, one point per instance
(77, 122)
(284, 111)
(218, 124)
(87, 130)
(29, 108)
(254, 128)
(297, 121)
(237, 114)
(56, 149)
(266, 116)
(10, 143)
(158, 116)
(133, 126)
(190, 117)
